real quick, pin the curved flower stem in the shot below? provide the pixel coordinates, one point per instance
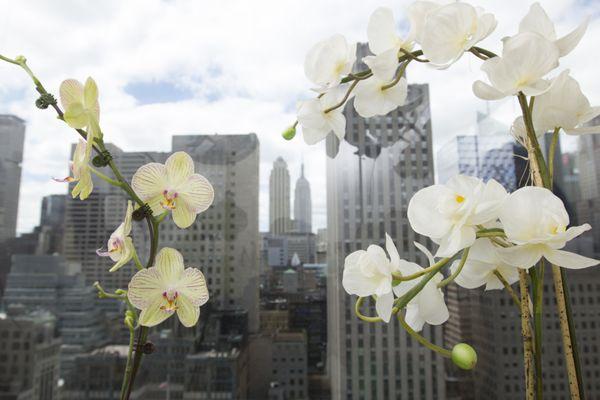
(412, 56)
(401, 302)
(527, 338)
(137, 261)
(358, 305)
(367, 72)
(451, 278)
(433, 347)
(105, 295)
(399, 75)
(105, 178)
(480, 50)
(434, 268)
(343, 101)
(490, 234)
(440, 350)
(508, 288)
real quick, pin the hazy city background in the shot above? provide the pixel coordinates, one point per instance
(220, 82)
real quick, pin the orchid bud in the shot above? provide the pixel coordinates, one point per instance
(289, 133)
(464, 356)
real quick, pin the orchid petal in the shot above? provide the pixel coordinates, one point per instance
(169, 263)
(569, 260)
(384, 305)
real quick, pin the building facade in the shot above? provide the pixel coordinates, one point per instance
(12, 138)
(371, 176)
(279, 198)
(29, 349)
(302, 205)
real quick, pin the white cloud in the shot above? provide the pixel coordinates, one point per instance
(249, 53)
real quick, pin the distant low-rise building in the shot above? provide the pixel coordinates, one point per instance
(29, 348)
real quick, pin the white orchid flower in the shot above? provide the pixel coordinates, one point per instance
(526, 59)
(369, 273)
(316, 123)
(80, 171)
(371, 96)
(537, 21)
(447, 31)
(382, 36)
(428, 306)
(536, 221)
(479, 268)
(449, 214)
(328, 61)
(564, 106)
(81, 107)
(175, 187)
(167, 288)
(120, 247)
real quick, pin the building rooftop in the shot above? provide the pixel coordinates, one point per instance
(121, 350)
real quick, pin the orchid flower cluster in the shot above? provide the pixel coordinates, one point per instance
(164, 286)
(486, 236)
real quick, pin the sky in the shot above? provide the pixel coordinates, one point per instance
(168, 67)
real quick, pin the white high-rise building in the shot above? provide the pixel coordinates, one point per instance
(371, 176)
(302, 205)
(12, 137)
(279, 198)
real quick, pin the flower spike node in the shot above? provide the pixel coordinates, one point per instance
(102, 159)
(142, 212)
(146, 348)
(20, 60)
(45, 100)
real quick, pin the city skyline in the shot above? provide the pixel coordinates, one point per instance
(148, 88)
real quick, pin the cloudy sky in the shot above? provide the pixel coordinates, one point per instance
(172, 67)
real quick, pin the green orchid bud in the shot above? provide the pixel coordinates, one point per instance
(20, 59)
(289, 133)
(464, 356)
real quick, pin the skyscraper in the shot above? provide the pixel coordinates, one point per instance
(12, 137)
(223, 241)
(279, 198)
(302, 204)
(371, 176)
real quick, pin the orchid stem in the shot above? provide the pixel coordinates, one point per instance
(508, 288)
(435, 267)
(451, 278)
(137, 262)
(419, 338)
(105, 178)
(527, 338)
